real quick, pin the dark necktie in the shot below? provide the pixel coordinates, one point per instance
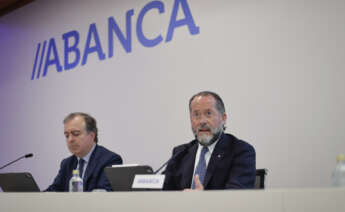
(81, 167)
(201, 167)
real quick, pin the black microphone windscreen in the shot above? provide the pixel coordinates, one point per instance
(29, 155)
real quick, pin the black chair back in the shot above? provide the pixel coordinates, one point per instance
(260, 178)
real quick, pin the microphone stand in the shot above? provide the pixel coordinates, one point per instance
(25, 156)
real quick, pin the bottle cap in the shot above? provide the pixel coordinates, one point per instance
(75, 172)
(341, 157)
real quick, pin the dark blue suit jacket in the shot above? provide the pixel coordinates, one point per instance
(94, 174)
(232, 166)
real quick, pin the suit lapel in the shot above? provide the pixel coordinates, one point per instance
(70, 167)
(90, 167)
(217, 156)
(188, 166)
(73, 165)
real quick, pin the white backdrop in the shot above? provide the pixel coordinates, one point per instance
(278, 65)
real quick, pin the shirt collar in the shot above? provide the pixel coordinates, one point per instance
(210, 147)
(86, 158)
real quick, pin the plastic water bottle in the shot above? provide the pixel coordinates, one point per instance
(338, 177)
(76, 183)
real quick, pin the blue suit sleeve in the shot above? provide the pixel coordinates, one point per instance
(243, 171)
(103, 182)
(59, 183)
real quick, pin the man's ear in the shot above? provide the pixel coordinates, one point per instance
(224, 117)
(93, 135)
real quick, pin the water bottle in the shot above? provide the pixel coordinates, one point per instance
(76, 183)
(338, 177)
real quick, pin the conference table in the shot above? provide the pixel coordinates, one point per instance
(268, 200)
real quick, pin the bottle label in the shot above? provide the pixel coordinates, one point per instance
(76, 186)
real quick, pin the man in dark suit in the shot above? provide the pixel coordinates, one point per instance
(88, 157)
(214, 160)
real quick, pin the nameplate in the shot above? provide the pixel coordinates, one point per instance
(153, 181)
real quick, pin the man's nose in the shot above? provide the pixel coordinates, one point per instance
(203, 119)
(203, 123)
(70, 139)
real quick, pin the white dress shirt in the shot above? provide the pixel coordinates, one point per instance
(86, 159)
(207, 155)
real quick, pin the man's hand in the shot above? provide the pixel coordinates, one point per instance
(198, 184)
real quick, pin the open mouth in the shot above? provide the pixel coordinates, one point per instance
(204, 130)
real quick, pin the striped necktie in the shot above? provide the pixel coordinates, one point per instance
(81, 167)
(201, 167)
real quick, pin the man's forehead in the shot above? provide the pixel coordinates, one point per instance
(76, 123)
(203, 101)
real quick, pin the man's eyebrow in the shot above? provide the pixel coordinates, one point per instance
(72, 131)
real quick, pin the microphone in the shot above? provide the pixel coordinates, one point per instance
(176, 155)
(25, 156)
(29, 155)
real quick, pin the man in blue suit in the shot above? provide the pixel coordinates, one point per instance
(214, 160)
(80, 130)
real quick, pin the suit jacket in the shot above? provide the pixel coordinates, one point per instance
(232, 165)
(94, 174)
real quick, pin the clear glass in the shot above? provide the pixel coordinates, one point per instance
(76, 183)
(338, 177)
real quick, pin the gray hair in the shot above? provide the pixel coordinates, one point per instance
(219, 102)
(91, 124)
